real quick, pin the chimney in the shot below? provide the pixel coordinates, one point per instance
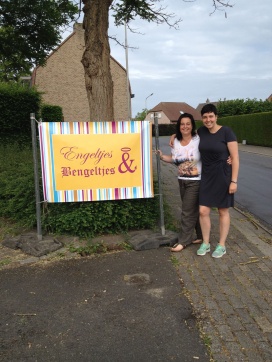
(77, 27)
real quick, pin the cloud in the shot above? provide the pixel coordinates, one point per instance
(208, 57)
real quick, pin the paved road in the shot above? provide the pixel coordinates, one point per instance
(254, 192)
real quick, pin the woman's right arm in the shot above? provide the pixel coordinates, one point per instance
(166, 158)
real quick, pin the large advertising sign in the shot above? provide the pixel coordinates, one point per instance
(96, 161)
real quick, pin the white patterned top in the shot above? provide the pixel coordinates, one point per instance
(187, 159)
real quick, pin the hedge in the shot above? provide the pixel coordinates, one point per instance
(16, 104)
(50, 113)
(84, 219)
(255, 128)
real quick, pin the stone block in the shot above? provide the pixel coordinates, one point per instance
(147, 241)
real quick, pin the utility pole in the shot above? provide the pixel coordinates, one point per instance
(146, 103)
(128, 90)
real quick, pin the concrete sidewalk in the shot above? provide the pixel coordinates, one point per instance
(266, 151)
(232, 295)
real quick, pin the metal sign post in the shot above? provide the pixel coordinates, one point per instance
(36, 175)
(157, 147)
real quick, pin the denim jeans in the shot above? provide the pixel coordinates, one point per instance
(189, 191)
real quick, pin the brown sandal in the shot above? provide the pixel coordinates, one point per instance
(178, 247)
(197, 241)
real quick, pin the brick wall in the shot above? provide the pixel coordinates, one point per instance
(162, 120)
(62, 81)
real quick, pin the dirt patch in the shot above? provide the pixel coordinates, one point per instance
(69, 246)
(73, 247)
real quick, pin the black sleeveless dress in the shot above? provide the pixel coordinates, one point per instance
(216, 173)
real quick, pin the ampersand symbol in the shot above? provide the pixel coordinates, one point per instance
(125, 166)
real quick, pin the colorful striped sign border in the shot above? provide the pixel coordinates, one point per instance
(48, 129)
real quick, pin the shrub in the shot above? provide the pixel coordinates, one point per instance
(51, 113)
(256, 129)
(94, 218)
(242, 106)
(16, 104)
(17, 184)
(83, 218)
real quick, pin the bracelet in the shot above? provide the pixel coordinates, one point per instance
(235, 182)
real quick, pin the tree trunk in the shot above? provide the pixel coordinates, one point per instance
(96, 60)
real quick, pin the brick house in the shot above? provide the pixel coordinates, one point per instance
(62, 81)
(269, 99)
(201, 105)
(169, 112)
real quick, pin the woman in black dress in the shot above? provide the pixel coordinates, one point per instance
(219, 179)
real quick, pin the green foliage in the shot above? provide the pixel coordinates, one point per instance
(17, 178)
(12, 67)
(127, 10)
(29, 30)
(256, 129)
(174, 261)
(140, 116)
(97, 248)
(87, 219)
(17, 184)
(242, 106)
(16, 104)
(51, 113)
(5, 262)
(93, 218)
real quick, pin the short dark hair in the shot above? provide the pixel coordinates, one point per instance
(185, 115)
(209, 108)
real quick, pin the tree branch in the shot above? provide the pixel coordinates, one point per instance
(221, 5)
(128, 10)
(113, 37)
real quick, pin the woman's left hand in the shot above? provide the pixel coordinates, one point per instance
(229, 161)
(232, 188)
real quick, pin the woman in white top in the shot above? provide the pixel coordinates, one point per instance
(186, 156)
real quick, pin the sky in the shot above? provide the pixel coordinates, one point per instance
(211, 57)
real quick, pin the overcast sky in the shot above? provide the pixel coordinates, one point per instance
(213, 57)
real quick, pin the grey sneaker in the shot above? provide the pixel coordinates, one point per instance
(204, 248)
(219, 251)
